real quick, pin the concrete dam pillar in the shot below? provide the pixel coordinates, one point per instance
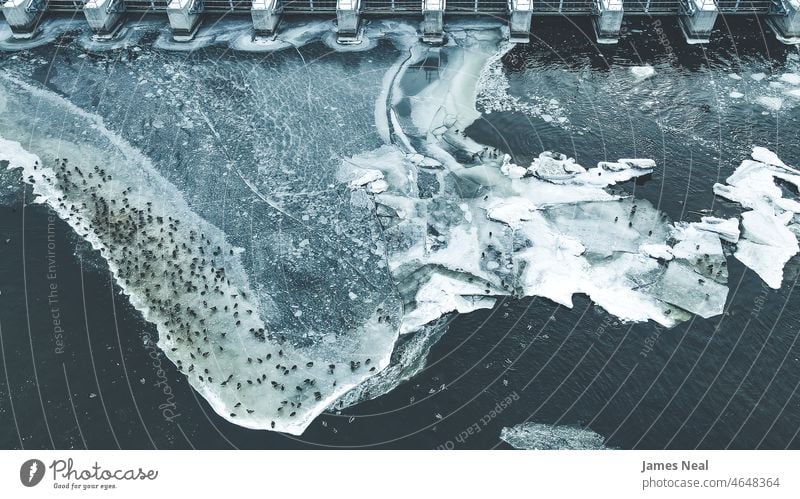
(184, 18)
(347, 20)
(784, 19)
(519, 22)
(433, 21)
(697, 18)
(266, 16)
(23, 16)
(104, 16)
(608, 20)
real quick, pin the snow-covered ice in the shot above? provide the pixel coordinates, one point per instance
(767, 240)
(536, 436)
(349, 249)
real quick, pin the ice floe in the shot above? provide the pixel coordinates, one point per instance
(535, 436)
(774, 92)
(641, 73)
(767, 240)
(185, 277)
(553, 233)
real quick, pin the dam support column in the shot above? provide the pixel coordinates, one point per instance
(784, 19)
(607, 20)
(184, 18)
(104, 17)
(433, 21)
(347, 21)
(266, 16)
(697, 18)
(519, 22)
(23, 16)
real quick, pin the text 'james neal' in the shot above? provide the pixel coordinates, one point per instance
(683, 466)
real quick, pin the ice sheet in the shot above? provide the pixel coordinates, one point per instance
(273, 286)
(207, 321)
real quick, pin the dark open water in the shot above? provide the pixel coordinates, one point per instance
(727, 382)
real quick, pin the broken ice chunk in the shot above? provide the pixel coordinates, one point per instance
(727, 230)
(641, 73)
(625, 225)
(511, 170)
(443, 294)
(751, 185)
(657, 251)
(510, 211)
(683, 287)
(534, 436)
(766, 261)
(377, 186)
(764, 155)
(765, 228)
(610, 173)
(693, 243)
(701, 251)
(767, 245)
(790, 78)
(554, 167)
(771, 103)
(366, 178)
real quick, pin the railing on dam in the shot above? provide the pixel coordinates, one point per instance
(744, 7)
(474, 7)
(697, 18)
(392, 6)
(65, 5)
(309, 6)
(228, 5)
(652, 7)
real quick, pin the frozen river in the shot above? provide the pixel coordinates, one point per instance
(294, 223)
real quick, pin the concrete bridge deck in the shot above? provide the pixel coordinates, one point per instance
(696, 17)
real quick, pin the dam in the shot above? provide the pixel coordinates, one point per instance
(695, 17)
